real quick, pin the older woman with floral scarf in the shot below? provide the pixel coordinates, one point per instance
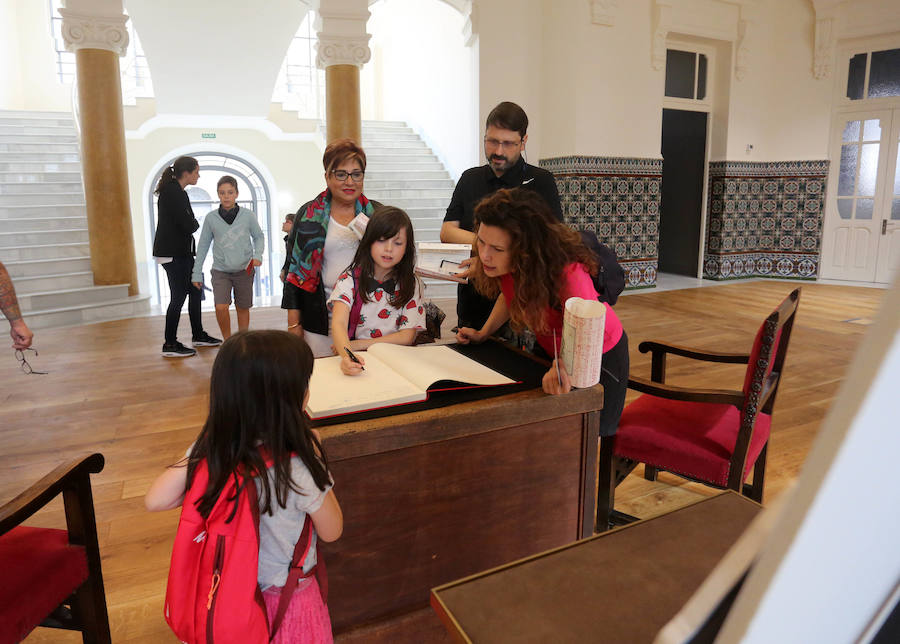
(323, 242)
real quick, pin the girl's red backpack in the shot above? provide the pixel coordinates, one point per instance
(212, 595)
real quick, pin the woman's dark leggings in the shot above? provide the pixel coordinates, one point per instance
(614, 378)
(180, 287)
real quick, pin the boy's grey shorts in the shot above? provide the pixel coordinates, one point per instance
(240, 281)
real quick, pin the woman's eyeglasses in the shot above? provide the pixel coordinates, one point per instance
(20, 356)
(341, 175)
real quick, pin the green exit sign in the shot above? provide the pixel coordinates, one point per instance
(207, 135)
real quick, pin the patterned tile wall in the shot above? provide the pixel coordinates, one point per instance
(617, 198)
(764, 219)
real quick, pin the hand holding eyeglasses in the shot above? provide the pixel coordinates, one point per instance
(27, 368)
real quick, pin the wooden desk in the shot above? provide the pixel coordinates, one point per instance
(620, 586)
(435, 495)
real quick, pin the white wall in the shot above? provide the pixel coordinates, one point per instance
(28, 77)
(420, 72)
(215, 58)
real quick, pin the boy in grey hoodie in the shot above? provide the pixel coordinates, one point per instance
(237, 242)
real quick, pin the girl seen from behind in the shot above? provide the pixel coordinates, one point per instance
(378, 298)
(258, 388)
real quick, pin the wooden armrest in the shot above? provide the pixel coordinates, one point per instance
(722, 396)
(687, 352)
(69, 475)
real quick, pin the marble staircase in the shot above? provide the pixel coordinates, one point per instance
(43, 226)
(402, 171)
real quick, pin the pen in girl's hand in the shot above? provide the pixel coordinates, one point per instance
(556, 360)
(354, 358)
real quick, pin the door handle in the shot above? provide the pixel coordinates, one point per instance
(887, 225)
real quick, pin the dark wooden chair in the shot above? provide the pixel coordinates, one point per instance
(52, 577)
(713, 436)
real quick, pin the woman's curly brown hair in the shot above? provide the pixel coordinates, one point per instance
(540, 248)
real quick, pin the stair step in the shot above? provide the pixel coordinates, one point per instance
(16, 134)
(40, 167)
(42, 224)
(39, 187)
(28, 211)
(440, 289)
(36, 237)
(38, 147)
(413, 182)
(44, 251)
(381, 194)
(128, 307)
(56, 299)
(42, 283)
(388, 140)
(39, 176)
(14, 160)
(403, 166)
(46, 199)
(378, 175)
(383, 124)
(422, 153)
(19, 269)
(407, 204)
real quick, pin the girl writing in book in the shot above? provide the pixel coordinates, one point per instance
(270, 366)
(378, 298)
(533, 264)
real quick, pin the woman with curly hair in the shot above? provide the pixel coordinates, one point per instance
(533, 264)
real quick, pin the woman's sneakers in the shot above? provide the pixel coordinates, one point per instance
(177, 350)
(206, 340)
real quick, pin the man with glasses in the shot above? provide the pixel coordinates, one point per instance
(9, 304)
(504, 145)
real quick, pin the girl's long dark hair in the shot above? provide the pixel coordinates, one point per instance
(540, 248)
(174, 171)
(386, 222)
(256, 391)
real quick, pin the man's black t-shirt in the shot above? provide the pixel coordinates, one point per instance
(476, 183)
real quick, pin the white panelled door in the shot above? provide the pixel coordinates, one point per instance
(862, 211)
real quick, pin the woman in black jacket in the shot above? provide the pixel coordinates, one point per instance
(173, 247)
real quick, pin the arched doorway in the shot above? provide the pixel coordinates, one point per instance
(254, 194)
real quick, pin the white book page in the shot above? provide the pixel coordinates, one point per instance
(331, 392)
(442, 258)
(423, 366)
(582, 341)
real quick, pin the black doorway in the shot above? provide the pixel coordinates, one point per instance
(681, 199)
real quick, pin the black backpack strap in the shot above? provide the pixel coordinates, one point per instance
(610, 278)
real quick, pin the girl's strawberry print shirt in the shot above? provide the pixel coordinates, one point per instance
(377, 318)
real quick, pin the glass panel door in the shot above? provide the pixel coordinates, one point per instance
(853, 210)
(888, 260)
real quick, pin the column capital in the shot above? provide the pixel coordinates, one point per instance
(342, 50)
(341, 31)
(83, 31)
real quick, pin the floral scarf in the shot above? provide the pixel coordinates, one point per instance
(307, 255)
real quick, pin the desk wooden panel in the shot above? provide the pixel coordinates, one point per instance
(443, 493)
(621, 586)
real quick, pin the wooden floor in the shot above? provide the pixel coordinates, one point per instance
(109, 390)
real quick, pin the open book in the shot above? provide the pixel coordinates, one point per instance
(582, 340)
(393, 375)
(441, 261)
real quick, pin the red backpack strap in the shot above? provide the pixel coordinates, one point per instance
(301, 550)
(356, 309)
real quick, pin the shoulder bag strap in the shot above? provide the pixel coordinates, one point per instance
(301, 549)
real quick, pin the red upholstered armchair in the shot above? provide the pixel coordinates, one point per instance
(713, 436)
(52, 577)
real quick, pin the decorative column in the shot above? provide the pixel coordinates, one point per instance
(343, 49)
(95, 31)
